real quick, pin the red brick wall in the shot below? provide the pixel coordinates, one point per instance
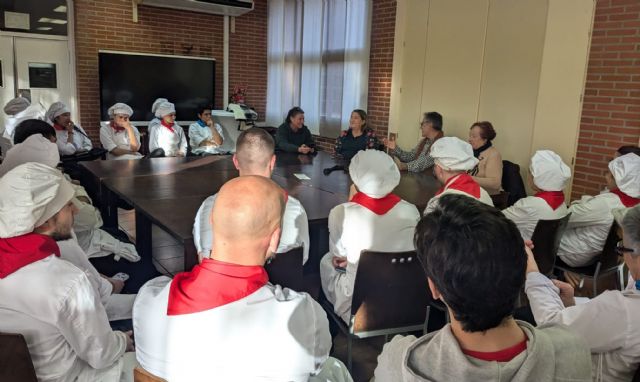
(611, 109)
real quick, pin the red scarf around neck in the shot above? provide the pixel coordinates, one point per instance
(116, 127)
(168, 126)
(627, 200)
(553, 198)
(378, 206)
(58, 127)
(463, 182)
(20, 251)
(212, 284)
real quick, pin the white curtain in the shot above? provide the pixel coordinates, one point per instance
(318, 59)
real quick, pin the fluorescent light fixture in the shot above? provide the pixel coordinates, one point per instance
(60, 9)
(52, 21)
(44, 28)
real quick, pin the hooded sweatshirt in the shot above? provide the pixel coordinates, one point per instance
(553, 354)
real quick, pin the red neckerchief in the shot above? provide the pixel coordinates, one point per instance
(212, 284)
(58, 127)
(504, 355)
(627, 200)
(553, 198)
(463, 182)
(170, 127)
(116, 127)
(17, 252)
(378, 206)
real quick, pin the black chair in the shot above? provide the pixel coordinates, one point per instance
(285, 269)
(501, 200)
(15, 360)
(512, 182)
(636, 376)
(390, 296)
(606, 263)
(546, 240)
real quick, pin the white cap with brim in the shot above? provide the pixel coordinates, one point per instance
(35, 148)
(56, 109)
(549, 172)
(453, 154)
(374, 173)
(626, 172)
(165, 108)
(31, 193)
(16, 105)
(120, 108)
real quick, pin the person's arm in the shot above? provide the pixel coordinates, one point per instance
(154, 142)
(295, 229)
(134, 138)
(106, 139)
(422, 162)
(282, 141)
(308, 139)
(183, 140)
(321, 336)
(520, 213)
(202, 231)
(85, 143)
(339, 142)
(589, 211)
(492, 179)
(404, 156)
(196, 137)
(216, 134)
(64, 143)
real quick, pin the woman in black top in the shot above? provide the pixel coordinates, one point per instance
(358, 137)
(293, 136)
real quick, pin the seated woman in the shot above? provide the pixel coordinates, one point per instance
(547, 177)
(72, 138)
(120, 138)
(358, 137)
(373, 219)
(488, 172)
(167, 134)
(418, 159)
(205, 135)
(293, 136)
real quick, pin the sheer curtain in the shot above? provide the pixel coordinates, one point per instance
(318, 59)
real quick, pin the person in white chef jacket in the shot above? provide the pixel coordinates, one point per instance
(71, 138)
(374, 218)
(255, 156)
(205, 135)
(453, 158)
(167, 134)
(120, 138)
(591, 217)
(48, 300)
(18, 110)
(608, 323)
(547, 177)
(223, 320)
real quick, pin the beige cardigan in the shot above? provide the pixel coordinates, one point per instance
(489, 171)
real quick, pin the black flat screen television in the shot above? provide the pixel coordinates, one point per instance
(138, 79)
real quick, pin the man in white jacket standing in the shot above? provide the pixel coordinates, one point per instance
(48, 300)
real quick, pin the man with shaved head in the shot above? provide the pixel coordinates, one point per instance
(223, 320)
(255, 156)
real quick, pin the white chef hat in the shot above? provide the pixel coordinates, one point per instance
(31, 194)
(549, 172)
(120, 108)
(16, 105)
(35, 148)
(374, 173)
(626, 172)
(56, 109)
(157, 103)
(453, 154)
(165, 108)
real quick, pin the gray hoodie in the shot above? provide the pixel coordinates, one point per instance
(553, 354)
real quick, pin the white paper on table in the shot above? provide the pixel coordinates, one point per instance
(301, 176)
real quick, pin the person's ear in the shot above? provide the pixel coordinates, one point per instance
(235, 162)
(272, 163)
(434, 290)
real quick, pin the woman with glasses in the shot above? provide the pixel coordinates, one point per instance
(418, 159)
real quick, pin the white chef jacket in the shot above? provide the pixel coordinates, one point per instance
(527, 211)
(608, 323)
(80, 141)
(433, 202)
(198, 133)
(588, 228)
(111, 139)
(353, 228)
(273, 334)
(163, 138)
(295, 228)
(53, 305)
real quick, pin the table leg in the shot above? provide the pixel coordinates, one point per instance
(190, 255)
(143, 235)
(109, 207)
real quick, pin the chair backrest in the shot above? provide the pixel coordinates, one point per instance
(501, 200)
(390, 291)
(609, 258)
(141, 375)
(285, 269)
(546, 240)
(512, 182)
(15, 360)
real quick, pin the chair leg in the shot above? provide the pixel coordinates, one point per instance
(446, 315)
(349, 353)
(426, 321)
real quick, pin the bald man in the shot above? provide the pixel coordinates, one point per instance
(224, 321)
(255, 156)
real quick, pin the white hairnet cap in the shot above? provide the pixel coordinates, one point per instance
(453, 154)
(157, 103)
(36, 148)
(120, 108)
(626, 172)
(374, 173)
(31, 194)
(549, 172)
(165, 108)
(16, 105)
(56, 109)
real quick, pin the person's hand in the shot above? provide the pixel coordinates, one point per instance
(118, 285)
(352, 191)
(532, 266)
(566, 292)
(401, 165)
(69, 127)
(180, 154)
(304, 149)
(339, 262)
(130, 345)
(389, 143)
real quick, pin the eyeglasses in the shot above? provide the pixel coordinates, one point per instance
(621, 249)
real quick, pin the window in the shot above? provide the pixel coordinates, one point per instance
(42, 75)
(318, 59)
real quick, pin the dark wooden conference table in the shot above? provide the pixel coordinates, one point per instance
(167, 192)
